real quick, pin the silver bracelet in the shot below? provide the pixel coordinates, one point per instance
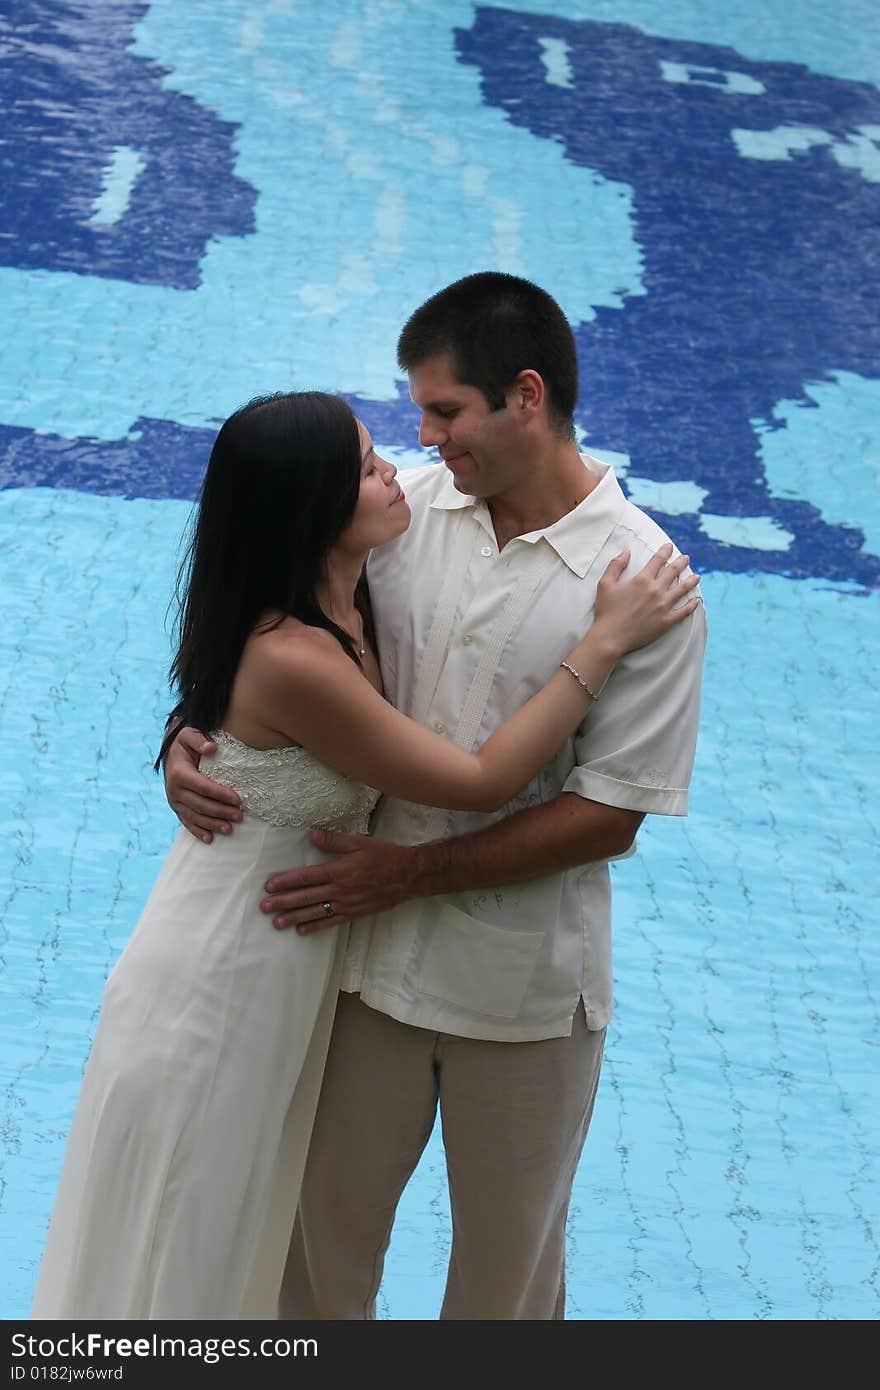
(579, 678)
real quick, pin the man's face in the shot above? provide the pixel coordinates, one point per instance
(478, 445)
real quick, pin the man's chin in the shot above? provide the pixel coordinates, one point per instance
(462, 479)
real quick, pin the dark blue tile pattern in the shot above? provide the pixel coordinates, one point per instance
(71, 95)
(760, 276)
(158, 458)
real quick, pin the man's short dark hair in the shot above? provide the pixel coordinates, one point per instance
(494, 326)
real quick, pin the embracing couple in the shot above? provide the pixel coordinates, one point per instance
(509, 655)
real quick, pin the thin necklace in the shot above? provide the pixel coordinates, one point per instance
(360, 645)
(360, 648)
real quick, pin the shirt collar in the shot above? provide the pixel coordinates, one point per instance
(576, 537)
(448, 497)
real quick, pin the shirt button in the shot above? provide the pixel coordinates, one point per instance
(440, 727)
(487, 550)
(467, 639)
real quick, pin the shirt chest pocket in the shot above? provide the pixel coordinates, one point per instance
(484, 969)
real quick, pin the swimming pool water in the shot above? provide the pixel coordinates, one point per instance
(207, 201)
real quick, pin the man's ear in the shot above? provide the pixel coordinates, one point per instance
(527, 394)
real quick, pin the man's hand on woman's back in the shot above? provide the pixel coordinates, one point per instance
(203, 807)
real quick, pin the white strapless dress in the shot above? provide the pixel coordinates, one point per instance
(183, 1166)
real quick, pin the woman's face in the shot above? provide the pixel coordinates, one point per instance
(382, 511)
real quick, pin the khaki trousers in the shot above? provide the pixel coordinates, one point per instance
(514, 1117)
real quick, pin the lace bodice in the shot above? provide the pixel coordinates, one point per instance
(289, 786)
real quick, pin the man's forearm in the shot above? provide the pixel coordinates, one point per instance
(364, 876)
(547, 839)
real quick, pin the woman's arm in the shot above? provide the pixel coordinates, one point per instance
(306, 689)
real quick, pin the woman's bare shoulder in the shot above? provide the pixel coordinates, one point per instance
(287, 672)
(293, 650)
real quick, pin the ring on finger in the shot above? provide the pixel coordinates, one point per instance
(328, 909)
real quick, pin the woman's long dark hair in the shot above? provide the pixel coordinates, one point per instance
(281, 485)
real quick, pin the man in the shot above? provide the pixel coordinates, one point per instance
(479, 968)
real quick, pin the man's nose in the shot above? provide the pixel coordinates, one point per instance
(430, 433)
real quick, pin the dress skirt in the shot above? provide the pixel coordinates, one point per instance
(184, 1162)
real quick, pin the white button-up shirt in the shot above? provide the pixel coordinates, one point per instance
(466, 635)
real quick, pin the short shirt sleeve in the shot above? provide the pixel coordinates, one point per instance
(636, 748)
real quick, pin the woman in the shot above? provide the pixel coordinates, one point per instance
(184, 1162)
